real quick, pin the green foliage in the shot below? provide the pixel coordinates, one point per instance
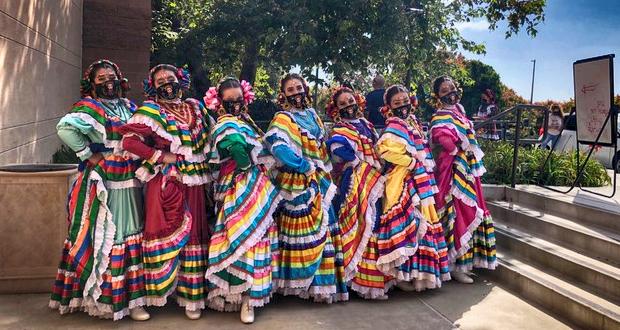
(65, 155)
(346, 39)
(560, 169)
(483, 77)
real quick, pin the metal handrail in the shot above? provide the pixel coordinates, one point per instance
(518, 109)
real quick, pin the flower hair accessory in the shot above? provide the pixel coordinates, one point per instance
(182, 75)
(212, 102)
(248, 93)
(386, 111)
(333, 111)
(86, 86)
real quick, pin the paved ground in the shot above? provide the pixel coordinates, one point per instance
(482, 305)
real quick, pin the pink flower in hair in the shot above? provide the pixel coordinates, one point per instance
(248, 94)
(211, 100)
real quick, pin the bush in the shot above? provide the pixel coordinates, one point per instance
(65, 155)
(559, 171)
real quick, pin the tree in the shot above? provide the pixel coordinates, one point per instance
(482, 77)
(216, 38)
(510, 98)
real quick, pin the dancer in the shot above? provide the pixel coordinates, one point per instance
(243, 246)
(411, 246)
(311, 264)
(170, 135)
(466, 220)
(101, 270)
(360, 186)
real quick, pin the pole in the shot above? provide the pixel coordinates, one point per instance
(533, 75)
(316, 88)
(515, 152)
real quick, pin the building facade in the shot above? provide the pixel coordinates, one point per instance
(44, 48)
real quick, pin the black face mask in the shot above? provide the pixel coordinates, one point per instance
(349, 112)
(403, 111)
(297, 100)
(109, 89)
(233, 107)
(169, 91)
(451, 98)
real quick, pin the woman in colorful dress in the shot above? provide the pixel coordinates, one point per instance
(411, 245)
(101, 270)
(170, 136)
(360, 186)
(310, 247)
(466, 220)
(245, 235)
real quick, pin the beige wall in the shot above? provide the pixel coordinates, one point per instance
(40, 68)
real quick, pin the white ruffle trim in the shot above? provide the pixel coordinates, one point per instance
(370, 217)
(175, 142)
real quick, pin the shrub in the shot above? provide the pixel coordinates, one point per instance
(560, 170)
(65, 155)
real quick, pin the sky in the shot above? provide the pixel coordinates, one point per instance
(572, 30)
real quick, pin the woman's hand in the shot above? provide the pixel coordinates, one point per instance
(95, 159)
(169, 158)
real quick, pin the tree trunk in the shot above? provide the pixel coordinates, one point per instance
(249, 64)
(200, 78)
(407, 82)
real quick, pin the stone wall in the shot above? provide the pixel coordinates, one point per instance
(40, 68)
(121, 32)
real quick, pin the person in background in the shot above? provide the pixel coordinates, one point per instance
(556, 121)
(487, 109)
(374, 102)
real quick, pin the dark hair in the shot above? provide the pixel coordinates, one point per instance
(438, 81)
(557, 110)
(97, 67)
(391, 91)
(291, 76)
(340, 92)
(162, 67)
(490, 94)
(226, 83)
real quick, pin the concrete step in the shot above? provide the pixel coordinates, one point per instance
(562, 298)
(566, 208)
(588, 240)
(587, 273)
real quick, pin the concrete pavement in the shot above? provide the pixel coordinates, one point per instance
(483, 305)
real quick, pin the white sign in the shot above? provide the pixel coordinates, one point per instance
(593, 99)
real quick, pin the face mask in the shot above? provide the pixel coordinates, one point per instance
(233, 107)
(109, 89)
(403, 111)
(349, 112)
(169, 91)
(451, 98)
(298, 100)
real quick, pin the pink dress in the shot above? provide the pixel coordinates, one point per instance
(460, 202)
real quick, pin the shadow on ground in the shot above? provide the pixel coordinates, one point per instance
(482, 305)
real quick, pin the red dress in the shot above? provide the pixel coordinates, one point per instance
(176, 233)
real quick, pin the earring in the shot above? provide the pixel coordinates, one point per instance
(283, 102)
(221, 111)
